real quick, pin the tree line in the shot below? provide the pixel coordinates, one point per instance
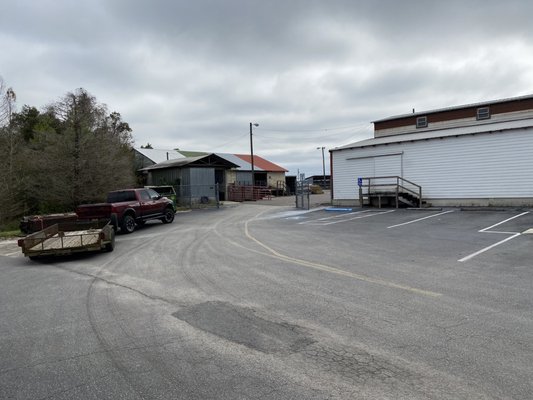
(72, 151)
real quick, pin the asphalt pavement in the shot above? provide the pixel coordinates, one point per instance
(260, 301)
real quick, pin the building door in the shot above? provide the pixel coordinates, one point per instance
(260, 179)
(220, 175)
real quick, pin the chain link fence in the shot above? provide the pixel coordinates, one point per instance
(303, 195)
(197, 196)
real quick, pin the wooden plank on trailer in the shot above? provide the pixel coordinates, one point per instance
(69, 240)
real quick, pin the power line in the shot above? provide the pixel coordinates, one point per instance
(312, 130)
(349, 133)
(231, 141)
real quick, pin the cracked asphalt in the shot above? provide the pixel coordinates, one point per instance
(261, 302)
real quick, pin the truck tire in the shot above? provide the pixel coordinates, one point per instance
(168, 215)
(128, 224)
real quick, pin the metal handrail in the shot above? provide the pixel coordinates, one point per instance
(393, 185)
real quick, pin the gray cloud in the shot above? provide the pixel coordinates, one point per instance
(194, 74)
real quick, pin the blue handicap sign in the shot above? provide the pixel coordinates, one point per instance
(359, 182)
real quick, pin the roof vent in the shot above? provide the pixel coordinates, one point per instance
(483, 113)
(422, 122)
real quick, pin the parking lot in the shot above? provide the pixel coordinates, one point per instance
(477, 231)
(259, 301)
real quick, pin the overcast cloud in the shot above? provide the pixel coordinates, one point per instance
(193, 74)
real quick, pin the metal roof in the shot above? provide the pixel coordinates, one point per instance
(241, 164)
(481, 104)
(440, 133)
(160, 155)
(243, 161)
(260, 163)
(188, 160)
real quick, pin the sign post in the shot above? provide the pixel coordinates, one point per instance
(360, 184)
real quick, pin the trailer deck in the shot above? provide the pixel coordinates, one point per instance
(69, 238)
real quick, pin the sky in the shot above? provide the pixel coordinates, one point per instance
(193, 74)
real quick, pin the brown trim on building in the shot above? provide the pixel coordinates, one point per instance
(460, 113)
(331, 174)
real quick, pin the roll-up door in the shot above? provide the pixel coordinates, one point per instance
(388, 165)
(362, 167)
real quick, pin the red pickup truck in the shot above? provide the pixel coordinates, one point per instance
(130, 207)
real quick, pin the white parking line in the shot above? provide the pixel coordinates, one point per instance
(504, 221)
(321, 222)
(420, 219)
(488, 248)
(336, 216)
(486, 230)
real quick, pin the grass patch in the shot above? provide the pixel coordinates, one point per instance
(10, 234)
(10, 229)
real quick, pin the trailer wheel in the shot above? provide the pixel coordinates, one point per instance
(111, 245)
(128, 224)
(114, 221)
(168, 215)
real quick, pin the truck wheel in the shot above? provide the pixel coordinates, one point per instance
(128, 224)
(168, 216)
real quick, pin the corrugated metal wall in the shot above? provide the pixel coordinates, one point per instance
(164, 177)
(202, 176)
(496, 165)
(243, 177)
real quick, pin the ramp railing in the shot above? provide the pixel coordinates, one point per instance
(385, 187)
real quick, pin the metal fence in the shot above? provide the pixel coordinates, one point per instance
(237, 192)
(303, 194)
(197, 196)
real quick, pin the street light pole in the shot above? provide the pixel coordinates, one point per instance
(323, 167)
(252, 151)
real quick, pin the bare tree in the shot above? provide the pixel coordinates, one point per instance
(90, 155)
(8, 149)
(7, 103)
(72, 152)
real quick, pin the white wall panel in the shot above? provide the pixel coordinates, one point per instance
(496, 165)
(346, 174)
(388, 165)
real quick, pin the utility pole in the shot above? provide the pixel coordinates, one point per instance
(323, 167)
(252, 151)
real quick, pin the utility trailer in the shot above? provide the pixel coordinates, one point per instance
(69, 238)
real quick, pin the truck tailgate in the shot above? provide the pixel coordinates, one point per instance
(94, 211)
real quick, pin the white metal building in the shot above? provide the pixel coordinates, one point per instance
(478, 154)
